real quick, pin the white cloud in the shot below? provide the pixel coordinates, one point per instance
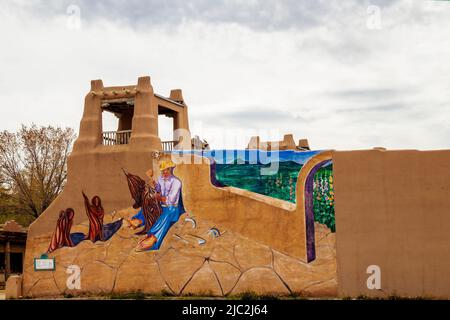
(348, 86)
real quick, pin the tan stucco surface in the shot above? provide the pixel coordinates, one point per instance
(276, 227)
(227, 265)
(392, 210)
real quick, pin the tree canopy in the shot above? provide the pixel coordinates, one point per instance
(33, 168)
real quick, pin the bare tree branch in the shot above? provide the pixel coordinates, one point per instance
(33, 166)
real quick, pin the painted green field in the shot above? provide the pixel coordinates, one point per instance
(281, 184)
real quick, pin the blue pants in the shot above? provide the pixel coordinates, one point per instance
(168, 217)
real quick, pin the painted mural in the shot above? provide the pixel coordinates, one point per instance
(241, 172)
(158, 233)
(62, 237)
(323, 197)
(160, 203)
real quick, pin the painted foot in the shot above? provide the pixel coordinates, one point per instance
(146, 243)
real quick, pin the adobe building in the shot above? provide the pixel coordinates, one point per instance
(287, 143)
(12, 249)
(391, 216)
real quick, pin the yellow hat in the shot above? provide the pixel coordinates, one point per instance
(165, 164)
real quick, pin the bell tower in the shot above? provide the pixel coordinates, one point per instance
(98, 156)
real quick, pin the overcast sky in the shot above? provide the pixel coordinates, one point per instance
(344, 74)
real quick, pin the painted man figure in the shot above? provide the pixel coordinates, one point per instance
(168, 193)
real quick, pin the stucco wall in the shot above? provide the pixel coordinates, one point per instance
(392, 210)
(268, 233)
(273, 222)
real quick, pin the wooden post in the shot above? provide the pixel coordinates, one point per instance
(23, 262)
(7, 259)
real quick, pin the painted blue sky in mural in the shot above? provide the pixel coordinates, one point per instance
(224, 156)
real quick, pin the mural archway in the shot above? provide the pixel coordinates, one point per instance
(305, 192)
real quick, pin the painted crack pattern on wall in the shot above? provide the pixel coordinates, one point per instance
(226, 265)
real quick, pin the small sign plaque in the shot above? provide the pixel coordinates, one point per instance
(44, 263)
